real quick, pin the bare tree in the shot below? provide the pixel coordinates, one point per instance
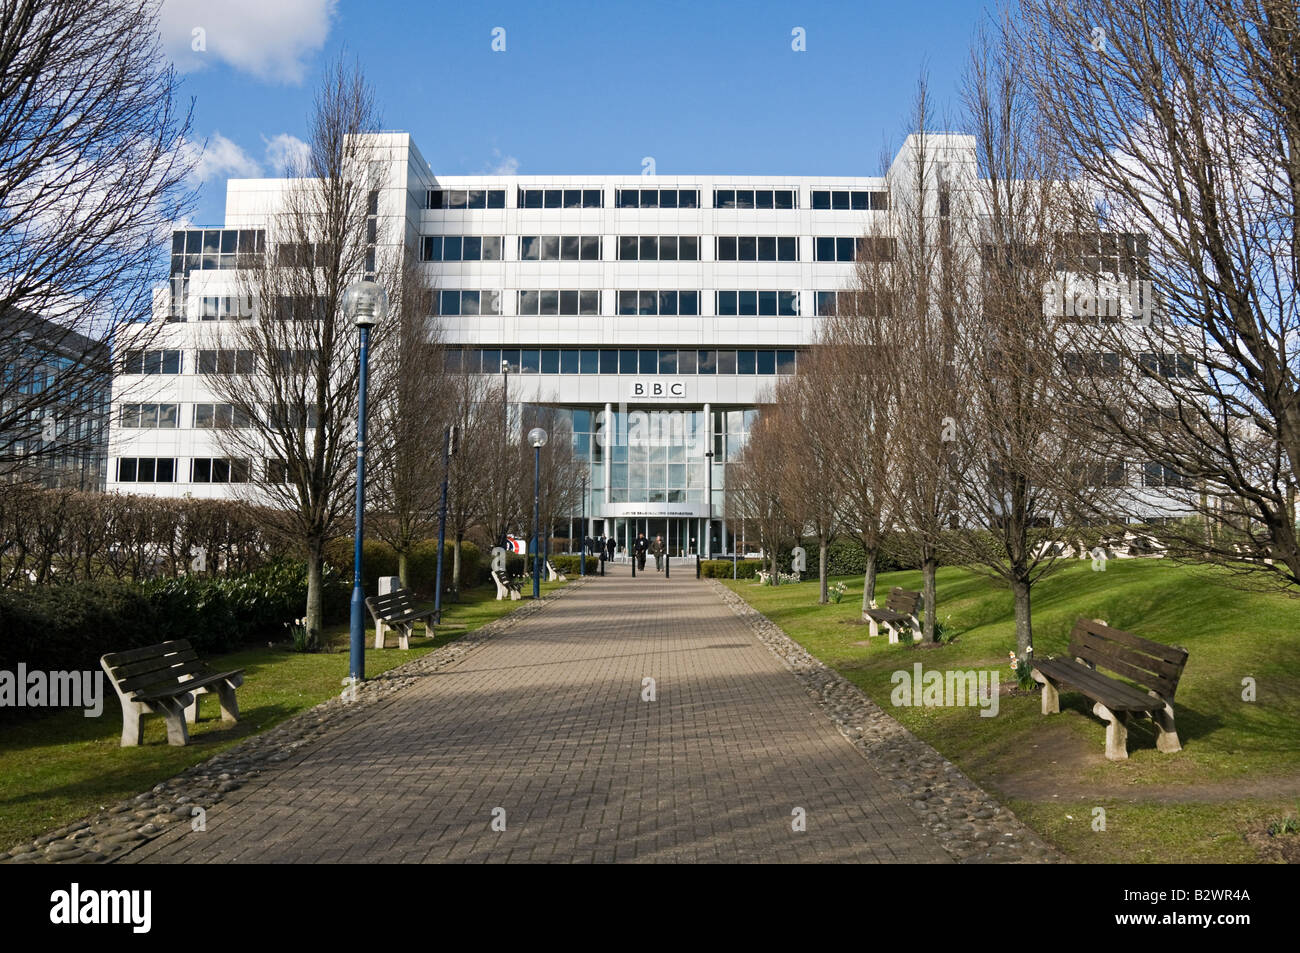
(918, 276)
(292, 374)
(812, 481)
(1024, 479)
(757, 484)
(1184, 118)
(409, 422)
(92, 173)
(475, 414)
(856, 405)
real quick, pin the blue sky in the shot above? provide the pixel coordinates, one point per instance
(580, 87)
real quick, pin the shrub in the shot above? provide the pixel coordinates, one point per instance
(721, 568)
(569, 565)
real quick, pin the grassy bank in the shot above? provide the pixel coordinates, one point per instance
(58, 768)
(1240, 764)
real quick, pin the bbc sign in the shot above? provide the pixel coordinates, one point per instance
(659, 389)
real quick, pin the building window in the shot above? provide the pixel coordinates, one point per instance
(146, 470)
(680, 361)
(659, 302)
(658, 248)
(559, 248)
(457, 199)
(783, 303)
(225, 307)
(846, 200)
(764, 248)
(1167, 364)
(756, 198)
(1156, 475)
(555, 302)
(561, 198)
(227, 362)
(469, 302)
(148, 416)
(293, 417)
(218, 470)
(151, 362)
(850, 249)
(461, 248)
(220, 417)
(658, 198)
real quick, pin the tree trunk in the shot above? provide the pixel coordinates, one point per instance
(315, 614)
(823, 597)
(1024, 623)
(928, 567)
(401, 569)
(869, 581)
(455, 564)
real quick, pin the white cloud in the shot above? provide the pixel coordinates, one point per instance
(286, 154)
(221, 158)
(504, 165)
(267, 38)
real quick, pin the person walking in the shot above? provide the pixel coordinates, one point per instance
(642, 544)
(609, 545)
(658, 548)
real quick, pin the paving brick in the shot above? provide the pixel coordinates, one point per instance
(546, 720)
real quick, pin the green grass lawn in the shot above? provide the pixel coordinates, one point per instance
(1240, 763)
(58, 768)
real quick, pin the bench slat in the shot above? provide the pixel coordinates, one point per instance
(155, 664)
(1126, 663)
(149, 651)
(196, 669)
(1167, 653)
(172, 689)
(1117, 696)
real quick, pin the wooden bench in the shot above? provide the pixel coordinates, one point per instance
(1154, 668)
(167, 679)
(553, 574)
(900, 607)
(507, 588)
(398, 610)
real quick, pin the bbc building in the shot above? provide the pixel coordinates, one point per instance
(669, 304)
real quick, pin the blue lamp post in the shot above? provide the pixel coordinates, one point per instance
(537, 437)
(582, 559)
(366, 303)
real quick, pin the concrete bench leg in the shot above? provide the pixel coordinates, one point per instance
(1051, 695)
(132, 724)
(875, 629)
(229, 704)
(1166, 735)
(893, 633)
(1116, 731)
(380, 632)
(404, 635)
(192, 709)
(173, 712)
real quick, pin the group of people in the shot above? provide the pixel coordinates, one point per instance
(606, 546)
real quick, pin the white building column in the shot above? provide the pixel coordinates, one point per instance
(608, 459)
(706, 541)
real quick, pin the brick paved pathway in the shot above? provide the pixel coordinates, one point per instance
(546, 721)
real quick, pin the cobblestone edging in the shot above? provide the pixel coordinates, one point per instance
(970, 825)
(111, 833)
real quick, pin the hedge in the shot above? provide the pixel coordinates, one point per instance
(68, 627)
(721, 568)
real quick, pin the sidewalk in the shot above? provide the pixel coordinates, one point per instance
(545, 727)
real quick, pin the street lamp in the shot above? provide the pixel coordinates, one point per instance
(537, 437)
(505, 440)
(366, 303)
